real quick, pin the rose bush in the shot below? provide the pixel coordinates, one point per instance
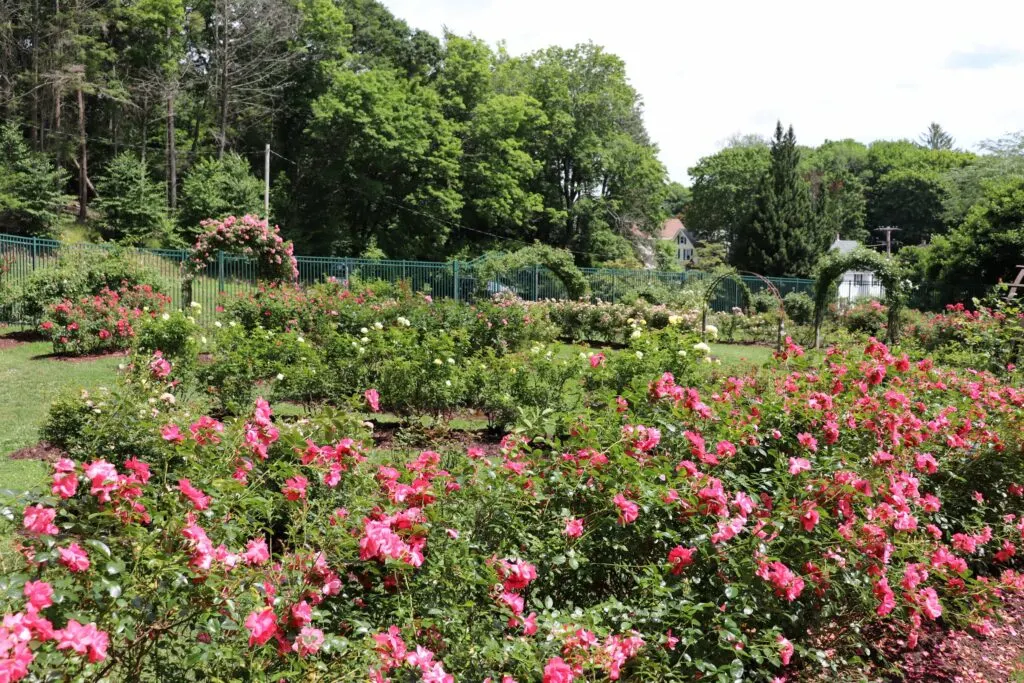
(659, 530)
(106, 321)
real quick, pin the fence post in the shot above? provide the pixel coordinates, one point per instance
(615, 294)
(35, 247)
(536, 280)
(455, 272)
(220, 271)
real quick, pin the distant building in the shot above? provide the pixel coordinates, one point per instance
(856, 284)
(685, 243)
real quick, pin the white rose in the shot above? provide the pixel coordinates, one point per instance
(447, 382)
(218, 324)
(702, 347)
(712, 330)
(438, 361)
(165, 316)
(280, 377)
(635, 335)
(640, 354)
(378, 326)
(451, 361)
(363, 330)
(301, 340)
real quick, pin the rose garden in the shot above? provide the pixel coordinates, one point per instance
(353, 481)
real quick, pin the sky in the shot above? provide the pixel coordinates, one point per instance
(707, 70)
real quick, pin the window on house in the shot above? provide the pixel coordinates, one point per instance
(858, 279)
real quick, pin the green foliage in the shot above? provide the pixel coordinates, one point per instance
(31, 188)
(83, 272)
(911, 200)
(133, 205)
(724, 185)
(214, 189)
(799, 307)
(784, 237)
(559, 261)
(986, 247)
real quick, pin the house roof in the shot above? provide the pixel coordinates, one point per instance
(670, 228)
(844, 246)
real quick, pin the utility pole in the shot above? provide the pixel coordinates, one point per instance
(888, 230)
(266, 184)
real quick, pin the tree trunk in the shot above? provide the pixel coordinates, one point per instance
(83, 175)
(172, 155)
(222, 43)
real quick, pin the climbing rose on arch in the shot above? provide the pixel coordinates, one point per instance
(248, 236)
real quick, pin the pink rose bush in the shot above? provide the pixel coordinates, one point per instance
(688, 529)
(107, 321)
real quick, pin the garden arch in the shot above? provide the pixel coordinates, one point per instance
(559, 261)
(831, 267)
(735, 275)
(249, 236)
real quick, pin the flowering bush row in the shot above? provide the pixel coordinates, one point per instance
(426, 371)
(990, 336)
(669, 532)
(105, 321)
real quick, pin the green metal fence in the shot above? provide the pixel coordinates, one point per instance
(230, 275)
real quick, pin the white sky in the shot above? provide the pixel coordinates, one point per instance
(866, 70)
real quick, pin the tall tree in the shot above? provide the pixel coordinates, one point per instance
(783, 237)
(724, 185)
(936, 138)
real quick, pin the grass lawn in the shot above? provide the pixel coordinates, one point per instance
(28, 382)
(739, 355)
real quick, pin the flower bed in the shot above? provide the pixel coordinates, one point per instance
(669, 532)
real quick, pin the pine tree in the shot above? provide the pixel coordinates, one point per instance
(936, 138)
(784, 236)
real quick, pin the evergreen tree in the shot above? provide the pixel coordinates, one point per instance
(935, 138)
(132, 202)
(783, 237)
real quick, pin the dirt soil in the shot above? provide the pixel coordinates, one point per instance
(43, 451)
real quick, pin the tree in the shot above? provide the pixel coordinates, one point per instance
(723, 191)
(384, 165)
(783, 237)
(911, 200)
(31, 196)
(132, 203)
(835, 172)
(987, 246)
(677, 198)
(215, 188)
(935, 138)
(599, 170)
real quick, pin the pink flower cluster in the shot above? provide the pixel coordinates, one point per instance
(395, 654)
(249, 236)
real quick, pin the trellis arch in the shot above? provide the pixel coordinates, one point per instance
(833, 265)
(249, 236)
(559, 261)
(747, 295)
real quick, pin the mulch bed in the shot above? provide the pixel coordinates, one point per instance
(43, 451)
(17, 337)
(966, 657)
(386, 437)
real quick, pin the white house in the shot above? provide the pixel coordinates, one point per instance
(856, 284)
(685, 243)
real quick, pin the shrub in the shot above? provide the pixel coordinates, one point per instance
(84, 272)
(249, 236)
(799, 307)
(866, 317)
(106, 321)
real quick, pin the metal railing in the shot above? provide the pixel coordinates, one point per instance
(229, 274)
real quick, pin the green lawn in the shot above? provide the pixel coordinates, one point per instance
(739, 356)
(29, 381)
